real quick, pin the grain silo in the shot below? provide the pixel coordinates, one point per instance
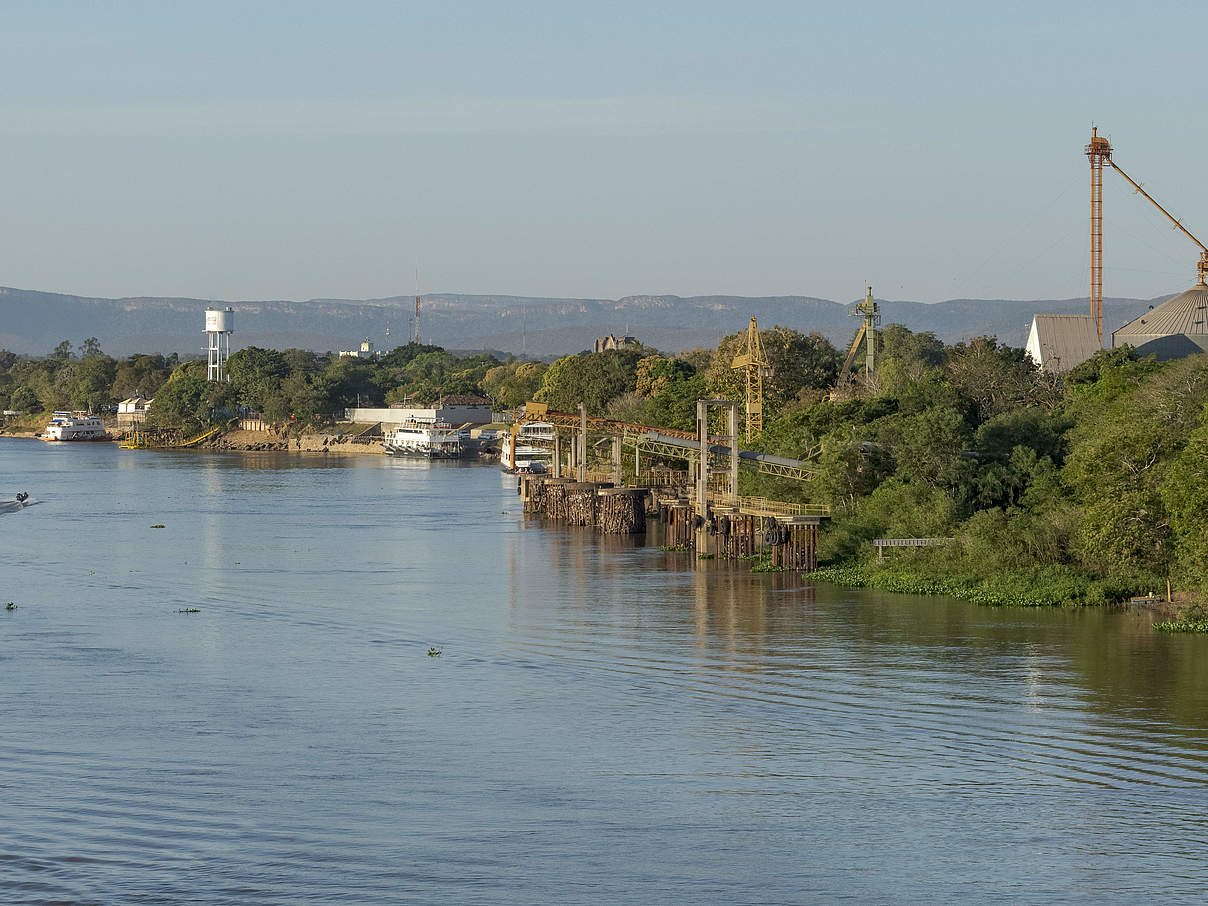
(1176, 328)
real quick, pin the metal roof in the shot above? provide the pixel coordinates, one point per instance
(1186, 313)
(1059, 342)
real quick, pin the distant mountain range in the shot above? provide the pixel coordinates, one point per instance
(34, 322)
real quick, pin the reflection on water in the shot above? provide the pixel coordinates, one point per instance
(607, 722)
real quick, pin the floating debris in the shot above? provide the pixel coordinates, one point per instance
(433, 652)
(157, 526)
(10, 606)
(190, 610)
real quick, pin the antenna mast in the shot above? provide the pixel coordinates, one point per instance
(417, 306)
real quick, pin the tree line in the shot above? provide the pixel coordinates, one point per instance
(1085, 489)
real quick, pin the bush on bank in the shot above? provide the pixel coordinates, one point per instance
(1029, 587)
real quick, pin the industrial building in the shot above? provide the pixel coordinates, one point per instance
(455, 409)
(1174, 329)
(1058, 343)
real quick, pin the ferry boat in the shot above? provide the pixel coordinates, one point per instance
(435, 440)
(75, 426)
(534, 447)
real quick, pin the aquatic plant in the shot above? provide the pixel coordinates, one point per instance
(434, 652)
(1193, 626)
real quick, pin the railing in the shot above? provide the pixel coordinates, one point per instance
(881, 543)
(762, 506)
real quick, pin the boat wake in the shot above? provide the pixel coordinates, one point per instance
(13, 506)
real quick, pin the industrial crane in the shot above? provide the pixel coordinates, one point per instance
(871, 314)
(1099, 151)
(756, 368)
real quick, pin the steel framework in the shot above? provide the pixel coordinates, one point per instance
(756, 368)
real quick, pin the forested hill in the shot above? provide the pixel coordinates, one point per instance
(34, 322)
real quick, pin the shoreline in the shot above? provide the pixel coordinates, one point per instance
(267, 441)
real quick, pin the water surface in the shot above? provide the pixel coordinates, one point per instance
(606, 723)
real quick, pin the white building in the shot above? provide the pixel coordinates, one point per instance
(365, 352)
(1058, 343)
(132, 411)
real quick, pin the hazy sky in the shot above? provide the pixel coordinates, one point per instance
(295, 150)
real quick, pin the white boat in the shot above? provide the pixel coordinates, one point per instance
(534, 447)
(75, 426)
(434, 440)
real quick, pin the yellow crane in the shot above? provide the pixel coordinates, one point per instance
(756, 368)
(871, 314)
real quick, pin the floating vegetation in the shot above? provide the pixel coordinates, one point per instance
(765, 566)
(1182, 626)
(674, 548)
(434, 652)
(190, 610)
(705, 556)
(10, 606)
(157, 526)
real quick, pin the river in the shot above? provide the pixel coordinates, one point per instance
(605, 722)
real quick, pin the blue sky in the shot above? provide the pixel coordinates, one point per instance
(298, 150)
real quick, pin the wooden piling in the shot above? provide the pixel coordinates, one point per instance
(735, 534)
(581, 501)
(680, 530)
(796, 543)
(621, 511)
(554, 496)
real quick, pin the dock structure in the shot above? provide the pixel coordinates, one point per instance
(700, 509)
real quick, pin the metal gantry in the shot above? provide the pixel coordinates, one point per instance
(756, 368)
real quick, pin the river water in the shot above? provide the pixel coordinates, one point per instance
(606, 723)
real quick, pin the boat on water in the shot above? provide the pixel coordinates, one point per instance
(433, 440)
(66, 426)
(534, 444)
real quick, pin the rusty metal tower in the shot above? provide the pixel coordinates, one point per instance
(1098, 151)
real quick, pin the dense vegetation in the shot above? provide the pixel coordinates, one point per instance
(1082, 490)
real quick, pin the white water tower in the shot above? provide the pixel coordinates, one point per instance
(220, 324)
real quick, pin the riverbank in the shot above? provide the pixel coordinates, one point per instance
(1036, 587)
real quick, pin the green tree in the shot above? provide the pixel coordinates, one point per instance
(25, 400)
(997, 378)
(593, 378)
(1184, 492)
(184, 402)
(256, 375)
(800, 364)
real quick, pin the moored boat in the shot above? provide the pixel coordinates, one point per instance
(434, 440)
(66, 426)
(534, 444)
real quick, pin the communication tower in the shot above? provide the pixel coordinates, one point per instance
(220, 324)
